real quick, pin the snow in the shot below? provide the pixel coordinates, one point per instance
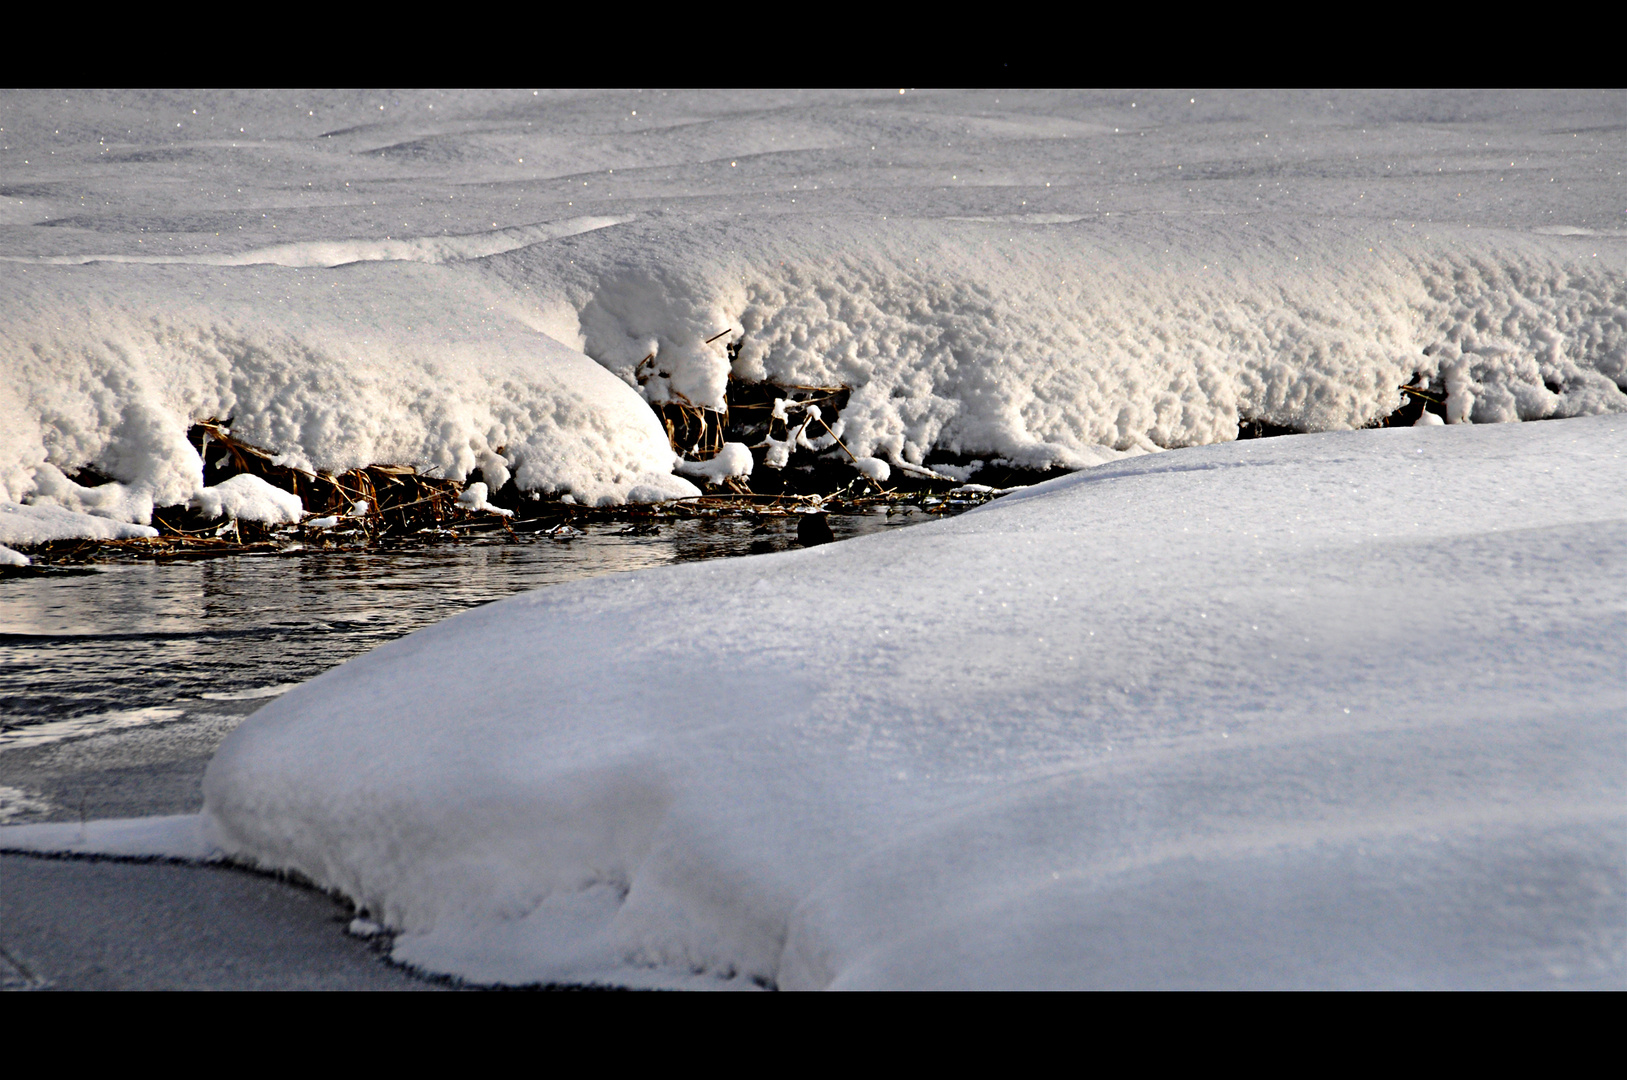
(41, 523)
(874, 468)
(177, 836)
(1326, 710)
(378, 365)
(475, 281)
(733, 460)
(474, 497)
(248, 498)
(8, 557)
(1342, 709)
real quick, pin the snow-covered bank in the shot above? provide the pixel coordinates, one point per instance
(110, 363)
(1044, 342)
(1040, 278)
(1331, 710)
(27, 526)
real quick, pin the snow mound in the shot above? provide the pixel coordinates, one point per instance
(248, 498)
(1327, 710)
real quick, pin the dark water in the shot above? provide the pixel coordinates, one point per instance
(116, 686)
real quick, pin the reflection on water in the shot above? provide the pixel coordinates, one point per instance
(139, 666)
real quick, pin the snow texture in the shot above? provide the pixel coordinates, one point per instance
(1041, 278)
(1328, 710)
(248, 498)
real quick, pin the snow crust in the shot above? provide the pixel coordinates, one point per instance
(249, 498)
(1330, 710)
(1042, 278)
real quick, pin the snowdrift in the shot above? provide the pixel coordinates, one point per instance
(1328, 710)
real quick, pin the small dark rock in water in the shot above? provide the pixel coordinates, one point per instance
(813, 529)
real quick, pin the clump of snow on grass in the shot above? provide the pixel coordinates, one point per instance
(248, 498)
(875, 468)
(733, 460)
(9, 557)
(474, 497)
(1312, 711)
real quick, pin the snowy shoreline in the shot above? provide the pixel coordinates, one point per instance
(1047, 279)
(1115, 731)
